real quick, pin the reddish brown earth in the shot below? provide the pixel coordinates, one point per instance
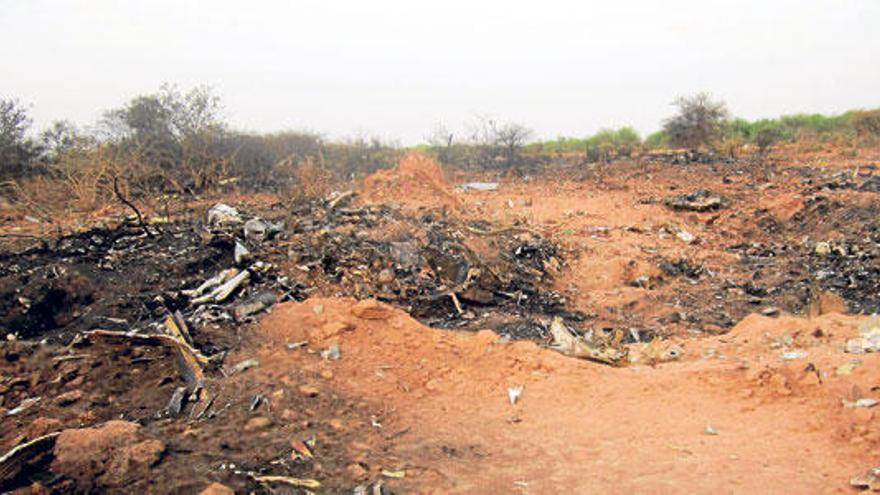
(583, 426)
(427, 411)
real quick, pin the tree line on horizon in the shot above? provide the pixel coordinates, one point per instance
(179, 142)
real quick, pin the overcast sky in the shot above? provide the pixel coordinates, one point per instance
(395, 68)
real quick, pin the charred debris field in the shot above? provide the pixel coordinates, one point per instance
(135, 354)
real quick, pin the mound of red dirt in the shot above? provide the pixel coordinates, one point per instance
(417, 181)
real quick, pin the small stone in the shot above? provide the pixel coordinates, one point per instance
(385, 276)
(309, 390)
(356, 471)
(68, 398)
(336, 424)
(257, 423)
(710, 430)
(770, 311)
(326, 374)
(41, 426)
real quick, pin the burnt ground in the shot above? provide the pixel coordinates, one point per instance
(124, 279)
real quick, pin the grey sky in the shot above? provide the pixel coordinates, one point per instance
(395, 68)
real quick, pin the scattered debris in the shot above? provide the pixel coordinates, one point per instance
(26, 454)
(869, 480)
(871, 184)
(394, 473)
(302, 450)
(223, 215)
(869, 339)
(331, 353)
(241, 253)
(857, 399)
(478, 186)
(23, 406)
(609, 350)
(287, 480)
(700, 201)
(794, 354)
(254, 305)
(685, 236)
(175, 405)
(243, 366)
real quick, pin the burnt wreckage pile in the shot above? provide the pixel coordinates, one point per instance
(229, 266)
(443, 272)
(835, 247)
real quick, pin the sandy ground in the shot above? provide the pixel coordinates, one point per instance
(581, 426)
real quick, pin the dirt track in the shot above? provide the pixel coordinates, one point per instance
(427, 410)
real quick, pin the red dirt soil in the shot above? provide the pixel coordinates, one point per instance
(580, 426)
(417, 179)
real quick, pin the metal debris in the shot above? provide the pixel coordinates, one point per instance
(178, 400)
(13, 462)
(243, 366)
(221, 215)
(699, 201)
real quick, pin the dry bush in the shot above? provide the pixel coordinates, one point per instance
(304, 179)
(78, 181)
(867, 124)
(730, 146)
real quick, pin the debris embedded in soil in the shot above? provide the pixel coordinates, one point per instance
(699, 201)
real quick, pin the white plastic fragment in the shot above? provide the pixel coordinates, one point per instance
(794, 354)
(685, 236)
(478, 186)
(868, 339)
(241, 253)
(513, 394)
